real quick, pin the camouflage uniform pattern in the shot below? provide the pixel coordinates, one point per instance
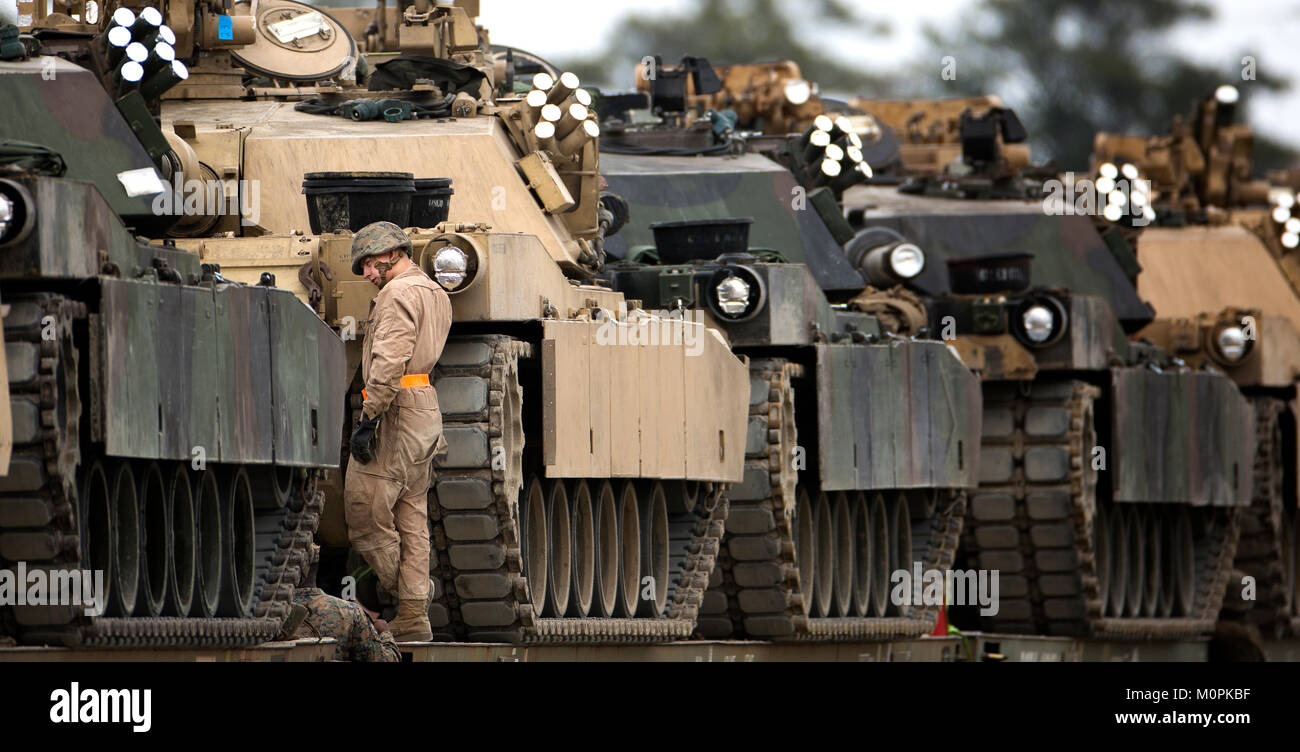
(346, 622)
(376, 238)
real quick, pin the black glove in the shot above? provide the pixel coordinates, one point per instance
(363, 439)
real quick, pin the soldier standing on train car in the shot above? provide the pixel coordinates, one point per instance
(401, 426)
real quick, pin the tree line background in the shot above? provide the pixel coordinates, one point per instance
(1068, 67)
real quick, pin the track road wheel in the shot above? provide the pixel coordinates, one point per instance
(629, 550)
(654, 553)
(558, 550)
(862, 555)
(582, 526)
(825, 577)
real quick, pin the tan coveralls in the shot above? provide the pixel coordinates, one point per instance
(385, 499)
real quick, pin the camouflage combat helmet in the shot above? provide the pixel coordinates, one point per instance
(376, 238)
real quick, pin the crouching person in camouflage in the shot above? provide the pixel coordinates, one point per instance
(385, 491)
(318, 615)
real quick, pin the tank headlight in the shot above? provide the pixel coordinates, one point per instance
(907, 260)
(1231, 341)
(733, 295)
(450, 267)
(1040, 321)
(16, 212)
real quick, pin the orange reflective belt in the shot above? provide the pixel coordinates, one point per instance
(408, 381)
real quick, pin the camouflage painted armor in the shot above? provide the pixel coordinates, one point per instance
(149, 391)
(346, 622)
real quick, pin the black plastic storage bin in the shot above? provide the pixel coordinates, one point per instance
(985, 275)
(431, 202)
(687, 240)
(351, 200)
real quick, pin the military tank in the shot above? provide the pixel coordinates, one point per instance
(1219, 268)
(590, 442)
(862, 435)
(168, 426)
(1112, 473)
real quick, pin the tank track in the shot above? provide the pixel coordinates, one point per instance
(484, 595)
(1260, 545)
(39, 518)
(755, 590)
(1032, 520)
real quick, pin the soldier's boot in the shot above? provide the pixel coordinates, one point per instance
(297, 615)
(412, 622)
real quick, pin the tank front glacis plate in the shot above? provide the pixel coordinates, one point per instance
(77, 235)
(980, 328)
(282, 145)
(1271, 359)
(662, 189)
(1068, 251)
(1192, 270)
(794, 311)
(63, 107)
